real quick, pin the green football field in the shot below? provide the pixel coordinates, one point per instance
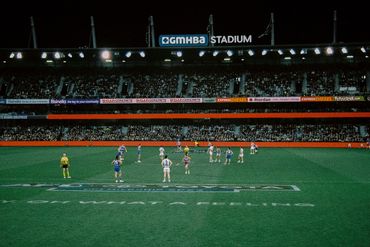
(278, 197)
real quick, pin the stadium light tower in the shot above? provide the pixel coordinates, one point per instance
(33, 32)
(150, 38)
(335, 27)
(272, 29)
(93, 37)
(210, 30)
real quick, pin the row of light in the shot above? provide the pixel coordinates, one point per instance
(107, 55)
(317, 51)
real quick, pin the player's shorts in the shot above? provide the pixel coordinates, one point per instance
(241, 155)
(138, 152)
(117, 169)
(228, 157)
(186, 163)
(161, 155)
(210, 153)
(64, 166)
(166, 169)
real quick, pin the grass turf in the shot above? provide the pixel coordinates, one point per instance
(335, 181)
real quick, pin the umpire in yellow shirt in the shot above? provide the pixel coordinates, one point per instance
(64, 164)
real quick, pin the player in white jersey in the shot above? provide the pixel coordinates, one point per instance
(218, 154)
(161, 153)
(166, 164)
(178, 145)
(229, 154)
(139, 153)
(253, 148)
(210, 152)
(241, 155)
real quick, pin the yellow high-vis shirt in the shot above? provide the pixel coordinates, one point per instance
(64, 161)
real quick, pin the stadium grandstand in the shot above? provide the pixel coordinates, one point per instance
(289, 121)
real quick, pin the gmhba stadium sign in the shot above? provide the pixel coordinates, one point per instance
(201, 40)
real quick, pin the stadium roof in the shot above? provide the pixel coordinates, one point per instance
(65, 24)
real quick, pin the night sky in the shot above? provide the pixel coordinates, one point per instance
(62, 24)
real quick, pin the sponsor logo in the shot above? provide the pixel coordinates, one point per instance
(2, 101)
(58, 101)
(74, 101)
(87, 187)
(183, 40)
(27, 101)
(198, 40)
(185, 100)
(274, 99)
(349, 98)
(5, 116)
(209, 100)
(231, 100)
(317, 98)
(82, 101)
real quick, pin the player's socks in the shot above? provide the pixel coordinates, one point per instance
(188, 171)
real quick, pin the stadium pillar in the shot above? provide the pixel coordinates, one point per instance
(33, 33)
(304, 83)
(93, 31)
(242, 83)
(336, 83)
(368, 81)
(335, 27)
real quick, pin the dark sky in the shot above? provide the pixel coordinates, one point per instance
(62, 24)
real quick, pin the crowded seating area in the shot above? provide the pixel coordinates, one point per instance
(170, 84)
(230, 132)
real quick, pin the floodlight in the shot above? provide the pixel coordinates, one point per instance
(106, 54)
(128, 54)
(57, 55)
(329, 50)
